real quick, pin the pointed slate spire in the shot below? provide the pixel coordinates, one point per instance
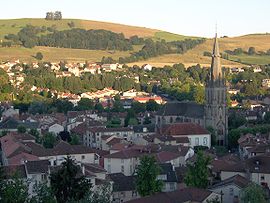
(216, 71)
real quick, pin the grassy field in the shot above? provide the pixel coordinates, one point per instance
(254, 59)
(261, 42)
(170, 36)
(57, 54)
(12, 26)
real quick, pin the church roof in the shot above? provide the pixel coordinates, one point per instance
(216, 71)
(186, 109)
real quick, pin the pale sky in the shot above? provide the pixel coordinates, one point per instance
(188, 17)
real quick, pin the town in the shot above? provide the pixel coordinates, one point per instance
(117, 130)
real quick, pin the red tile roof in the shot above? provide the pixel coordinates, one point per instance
(183, 129)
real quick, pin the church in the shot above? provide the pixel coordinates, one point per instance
(213, 113)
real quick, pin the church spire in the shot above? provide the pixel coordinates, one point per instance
(216, 71)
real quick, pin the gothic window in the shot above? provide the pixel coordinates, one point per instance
(205, 141)
(196, 141)
(171, 119)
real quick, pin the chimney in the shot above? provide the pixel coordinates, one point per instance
(83, 169)
(51, 162)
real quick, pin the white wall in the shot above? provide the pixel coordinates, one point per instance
(229, 192)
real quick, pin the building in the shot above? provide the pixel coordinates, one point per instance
(213, 114)
(196, 134)
(230, 188)
(186, 195)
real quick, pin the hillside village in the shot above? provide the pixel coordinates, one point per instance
(100, 112)
(108, 146)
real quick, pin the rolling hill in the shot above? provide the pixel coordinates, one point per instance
(261, 42)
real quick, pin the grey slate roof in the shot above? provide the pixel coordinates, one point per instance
(11, 123)
(186, 109)
(122, 182)
(167, 169)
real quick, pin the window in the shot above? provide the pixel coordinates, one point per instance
(122, 169)
(43, 177)
(109, 160)
(205, 141)
(171, 186)
(231, 191)
(83, 157)
(262, 178)
(109, 168)
(196, 141)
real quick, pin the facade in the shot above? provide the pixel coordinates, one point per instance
(215, 94)
(230, 188)
(213, 114)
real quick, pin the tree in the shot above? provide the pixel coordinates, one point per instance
(74, 139)
(14, 191)
(68, 184)
(36, 134)
(48, 140)
(21, 129)
(253, 193)
(197, 174)
(43, 194)
(146, 176)
(251, 51)
(138, 107)
(99, 107)
(236, 120)
(101, 195)
(39, 56)
(152, 105)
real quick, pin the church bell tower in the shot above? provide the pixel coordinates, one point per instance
(216, 115)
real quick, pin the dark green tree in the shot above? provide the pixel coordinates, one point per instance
(49, 140)
(21, 129)
(74, 139)
(138, 107)
(253, 193)
(152, 105)
(42, 194)
(251, 51)
(197, 174)
(68, 183)
(14, 191)
(146, 176)
(39, 56)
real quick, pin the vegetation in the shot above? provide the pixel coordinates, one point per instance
(14, 191)
(253, 193)
(67, 183)
(197, 174)
(146, 176)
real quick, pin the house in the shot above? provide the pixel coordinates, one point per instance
(11, 124)
(266, 82)
(126, 160)
(13, 151)
(93, 136)
(197, 135)
(124, 188)
(186, 195)
(255, 169)
(168, 176)
(147, 67)
(230, 188)
(10, 112)
(56, 128)
(144, 99)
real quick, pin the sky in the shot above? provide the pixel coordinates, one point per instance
(187, 17)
